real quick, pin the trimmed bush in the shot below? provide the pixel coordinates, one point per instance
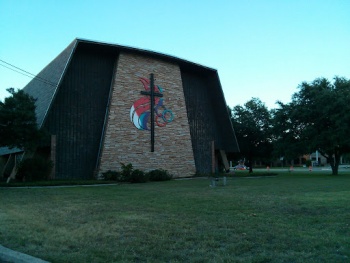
(159, 175)
(128, 174)
(111, 175)
(34, 169)
(138, 176)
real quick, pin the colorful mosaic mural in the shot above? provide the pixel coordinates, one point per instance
(140, 111)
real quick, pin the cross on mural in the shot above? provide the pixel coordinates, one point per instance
(141, 113)
(152, 94)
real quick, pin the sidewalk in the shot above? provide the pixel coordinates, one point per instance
(7, 255)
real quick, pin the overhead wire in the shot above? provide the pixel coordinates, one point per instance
(26, 73)
(17, 71)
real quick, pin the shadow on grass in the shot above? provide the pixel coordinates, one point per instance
(16, 183)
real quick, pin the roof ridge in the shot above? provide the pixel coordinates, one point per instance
(141, 50)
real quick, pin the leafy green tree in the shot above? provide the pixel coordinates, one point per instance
(18, 127)
(252, 124)
(286, 137)
(317, 118)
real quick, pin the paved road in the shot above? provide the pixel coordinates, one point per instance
(303, 169)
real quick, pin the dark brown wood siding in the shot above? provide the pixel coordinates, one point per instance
(201, 119)
(208, 117)
(78, 111)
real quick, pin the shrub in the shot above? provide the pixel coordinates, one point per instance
(308, 163)
(34, 169)
(111, 175)
(159, 175)
(137, 176)
(126, 172)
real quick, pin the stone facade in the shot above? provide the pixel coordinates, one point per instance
(123, 142)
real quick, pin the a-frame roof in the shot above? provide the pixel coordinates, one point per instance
(45, 85)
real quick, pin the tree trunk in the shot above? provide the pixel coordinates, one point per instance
(335, 170)
(334, 161)
(250, 169)
(250, 158)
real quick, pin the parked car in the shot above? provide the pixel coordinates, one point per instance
(240, 167)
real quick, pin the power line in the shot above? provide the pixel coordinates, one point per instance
(26, 73)
(16, 71)
(17, 67)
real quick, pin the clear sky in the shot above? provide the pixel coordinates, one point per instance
(262, 48)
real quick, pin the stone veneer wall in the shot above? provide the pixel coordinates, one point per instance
(124, 143)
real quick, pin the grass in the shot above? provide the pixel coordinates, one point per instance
(289, 218)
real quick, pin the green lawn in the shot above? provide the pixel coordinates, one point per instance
(289, 218)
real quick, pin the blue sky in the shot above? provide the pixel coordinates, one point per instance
(262, 49)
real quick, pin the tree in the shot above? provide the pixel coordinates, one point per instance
(317, 118)
(18, 127)
(252, 124)
(286, 137)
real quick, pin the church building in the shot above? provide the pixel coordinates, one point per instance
(105, 104)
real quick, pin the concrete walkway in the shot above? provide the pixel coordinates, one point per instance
(7, 255)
